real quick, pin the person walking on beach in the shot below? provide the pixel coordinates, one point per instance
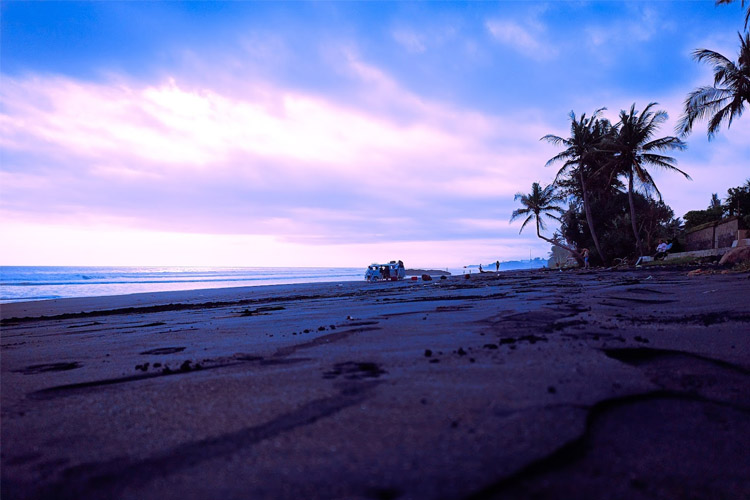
(497, 266)
(585, 258)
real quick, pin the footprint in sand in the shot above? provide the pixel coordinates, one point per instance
(164, 350)
(49, 367)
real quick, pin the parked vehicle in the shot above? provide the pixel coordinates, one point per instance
(393, 271)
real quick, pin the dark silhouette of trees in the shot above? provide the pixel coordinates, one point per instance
(655, 221)
(633, 149)
(738, 201)
(582, 158)
(726, 99)
(712, 213)
(597, 155)
(539, 203)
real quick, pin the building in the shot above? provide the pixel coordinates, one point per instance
(718, 234)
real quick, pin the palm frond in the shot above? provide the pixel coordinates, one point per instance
(705, 55)
(563, 171)
(648, 181)
(554, 139)
(699, 104)
(528, 219)
(742, 5)
(565, 155)
(727, 113)
(665, 143)
(518, 213)
(725, 101)
(665, 162)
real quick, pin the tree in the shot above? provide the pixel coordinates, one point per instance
(655, 221)
(558, 257)
(633, 149)
(715, 202)
(540, 202)
(711, 214)
(738, 200)
(742, 4)
(695, 218)
(726, 99)
(582, 157)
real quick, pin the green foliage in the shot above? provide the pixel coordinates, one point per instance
(539, 203)
(633, 149)
(596, 156)
(655, 220)
(583, 158)
(558, 257)
(715, 202)
(697, 217)
(738, 201)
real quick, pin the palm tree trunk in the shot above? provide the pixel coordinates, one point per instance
(574, 252)
(590, 219)
(632, 215)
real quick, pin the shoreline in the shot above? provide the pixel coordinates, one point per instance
(82, 282)
(139, 299)
(21, 284)
(445, 389)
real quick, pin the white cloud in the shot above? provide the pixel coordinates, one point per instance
(170, 156)
(102, 244)
(520, 38)
(410, 40)
(643, 23)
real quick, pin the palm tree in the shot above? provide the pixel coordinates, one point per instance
(633, 150)
(726, 99)
(537, 204)
(715, 202)
(742, 4)
(738, 200)
(582, 156)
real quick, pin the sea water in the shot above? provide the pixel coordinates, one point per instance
(21, 283)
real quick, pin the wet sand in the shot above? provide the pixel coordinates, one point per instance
(630, 384)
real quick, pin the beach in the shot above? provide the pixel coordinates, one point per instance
(530, 384)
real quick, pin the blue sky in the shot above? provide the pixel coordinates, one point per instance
(325, 133)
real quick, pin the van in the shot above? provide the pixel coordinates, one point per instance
(393, 271)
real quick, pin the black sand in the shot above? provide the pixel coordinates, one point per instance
(631, 384)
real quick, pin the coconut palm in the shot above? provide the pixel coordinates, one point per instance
(633, 149)
(582, 157)
(738, 200)
(742, 4)
(539, 203)
(726, 99)
(715, 202)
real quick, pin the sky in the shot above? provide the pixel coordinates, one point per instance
(326, 133)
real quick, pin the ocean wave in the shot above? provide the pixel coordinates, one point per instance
(40, 283)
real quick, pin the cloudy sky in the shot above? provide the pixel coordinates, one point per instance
(325, 133)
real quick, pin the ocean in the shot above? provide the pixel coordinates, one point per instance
(21, 283)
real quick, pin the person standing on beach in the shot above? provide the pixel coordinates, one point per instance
(497, 266)
(585, 258)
